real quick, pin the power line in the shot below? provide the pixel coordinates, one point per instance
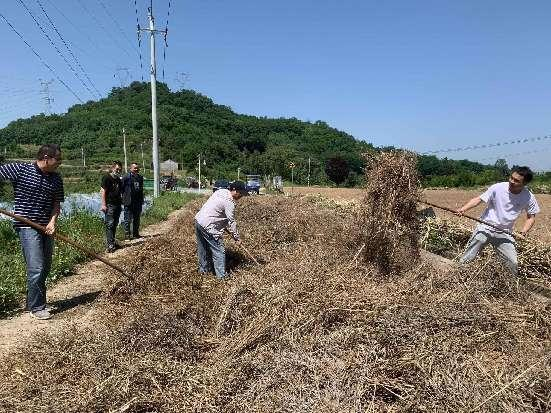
(166, 44)
(515, 154)
(98, 22)
(139, 39)
(117, 25)
(489, 145)
(79, 30)
(69, 50)
(55, 47)
(41, 59)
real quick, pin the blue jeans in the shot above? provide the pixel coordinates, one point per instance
(37, 250)
(211, 252)
(112, 216)
(132, 215)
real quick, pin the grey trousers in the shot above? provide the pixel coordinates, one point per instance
(504, 245)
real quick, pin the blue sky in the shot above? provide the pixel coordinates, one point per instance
(424, 75)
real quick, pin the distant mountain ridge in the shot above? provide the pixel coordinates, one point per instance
(189, 124)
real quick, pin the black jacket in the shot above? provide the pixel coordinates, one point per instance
(132, 190)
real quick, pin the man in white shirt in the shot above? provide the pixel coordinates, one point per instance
(505, 201)
(217, 215)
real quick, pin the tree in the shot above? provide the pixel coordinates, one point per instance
(502, 168)
(337, 169)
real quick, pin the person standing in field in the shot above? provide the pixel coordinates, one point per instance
(132, 199)
(214, 217)
(111, 203)
(505, 201)
(38, 192)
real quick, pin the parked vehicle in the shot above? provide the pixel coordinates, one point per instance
(252, 184)
(192, 182)
(168, 183)
(220, 184)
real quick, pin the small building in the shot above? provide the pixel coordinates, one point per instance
(169, 167)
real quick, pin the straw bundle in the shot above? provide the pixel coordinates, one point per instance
(388, 218)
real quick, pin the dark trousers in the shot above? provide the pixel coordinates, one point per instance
(131, 221)
(37, 250)
(112, 216)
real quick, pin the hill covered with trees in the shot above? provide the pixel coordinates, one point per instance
(191, 124)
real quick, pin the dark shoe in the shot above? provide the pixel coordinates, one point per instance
(137, 236)
(111, 249)
(128, 237)
(41, 314)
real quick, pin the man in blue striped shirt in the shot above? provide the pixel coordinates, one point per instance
(38, 193)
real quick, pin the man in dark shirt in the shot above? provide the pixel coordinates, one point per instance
(38, 193)
(111, 203)
(132, 199)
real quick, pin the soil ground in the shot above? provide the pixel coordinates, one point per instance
(451, 198)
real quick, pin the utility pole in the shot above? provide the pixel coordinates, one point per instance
(124, 148)
(83, 157)
(143, 162)
(45, 92)
(238, 172)
(308, 172)
(155, 152)
(199, 171)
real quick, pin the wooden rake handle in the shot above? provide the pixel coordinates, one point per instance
(514, 234)
(64, 239)
(248, 253)
(251, 256)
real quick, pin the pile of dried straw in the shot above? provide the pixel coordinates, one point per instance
(309, 330)
(389, 225)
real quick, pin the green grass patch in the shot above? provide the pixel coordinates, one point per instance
(164, 205)
(81, 226)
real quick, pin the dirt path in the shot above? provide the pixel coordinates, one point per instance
(73, 297)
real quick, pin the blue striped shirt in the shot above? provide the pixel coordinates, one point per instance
(35, 192)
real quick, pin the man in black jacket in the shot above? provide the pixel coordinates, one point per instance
(132, 199)
(111, 203)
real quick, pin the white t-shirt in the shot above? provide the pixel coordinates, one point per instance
(503, 207)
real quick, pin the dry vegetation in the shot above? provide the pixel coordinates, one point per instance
(388, 215)
(309, 330)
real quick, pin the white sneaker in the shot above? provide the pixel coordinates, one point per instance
(41, 314)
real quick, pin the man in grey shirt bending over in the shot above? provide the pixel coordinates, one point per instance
(217, 215)
(505, 201)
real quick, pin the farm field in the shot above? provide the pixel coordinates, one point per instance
(451, 198)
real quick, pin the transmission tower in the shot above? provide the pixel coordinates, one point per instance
(123, 74)
(45, 93)
(182, 78)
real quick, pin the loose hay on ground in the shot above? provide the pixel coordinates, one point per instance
(307, 331)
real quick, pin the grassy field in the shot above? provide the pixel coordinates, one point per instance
(81, 226)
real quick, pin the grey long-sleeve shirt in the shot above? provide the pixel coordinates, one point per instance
(217, 214)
